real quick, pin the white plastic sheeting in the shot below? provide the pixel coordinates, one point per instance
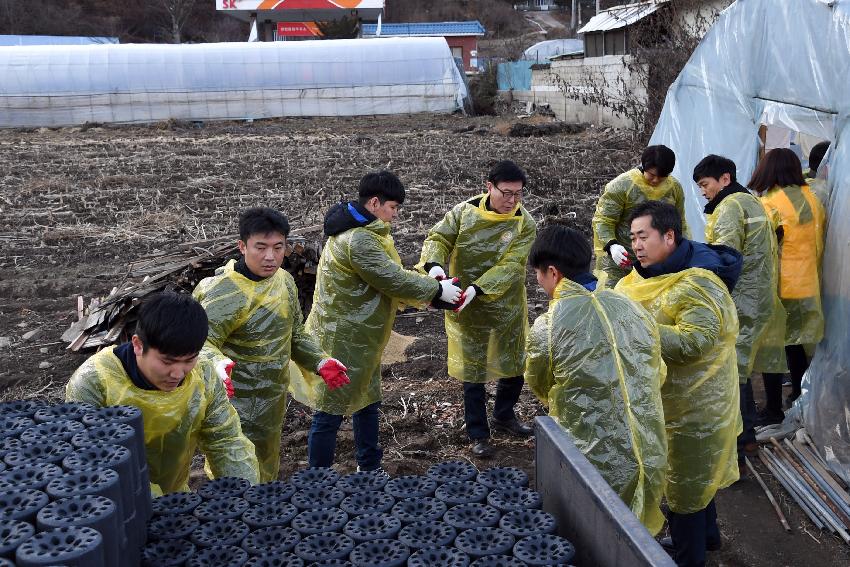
(61, 86)
(785, 63)
(543, 50)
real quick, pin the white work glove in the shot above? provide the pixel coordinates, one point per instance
(466, 298)
(224, 368)
(620, 255)
(449, 292)
(437, 273)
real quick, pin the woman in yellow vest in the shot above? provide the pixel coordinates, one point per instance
(799, 220)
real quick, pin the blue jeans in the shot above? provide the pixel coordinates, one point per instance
(691, 533)
(321, 441)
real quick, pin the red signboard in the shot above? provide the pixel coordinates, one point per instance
(298, 29)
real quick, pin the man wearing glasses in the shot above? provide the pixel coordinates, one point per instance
(485, 242)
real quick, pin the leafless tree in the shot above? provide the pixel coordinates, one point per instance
(177, 13)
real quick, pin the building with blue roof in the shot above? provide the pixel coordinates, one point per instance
(462, 37)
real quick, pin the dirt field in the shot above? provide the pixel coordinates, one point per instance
(76, 205)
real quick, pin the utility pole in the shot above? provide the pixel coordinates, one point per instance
(597, 7)
(574, 17)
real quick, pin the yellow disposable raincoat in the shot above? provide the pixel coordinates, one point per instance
(698, 327)
(258, 324)
(595, 360)
(359, 287)
(803, 221)
(489, 250)
(821, 189)
(740, 221)
(611, 220)
(194, 415)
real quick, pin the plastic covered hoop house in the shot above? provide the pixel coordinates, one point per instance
(67, 85)
(779, 63)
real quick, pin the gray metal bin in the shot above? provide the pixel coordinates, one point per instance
(590, 514)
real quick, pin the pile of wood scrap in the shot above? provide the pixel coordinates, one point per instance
(111, 319)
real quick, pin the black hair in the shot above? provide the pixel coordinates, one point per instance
(779, 166)
(715, 166)
(563, 247)
(664, 217)
(173, 323)
(506, 170)
(659, 157)
(381, 184)
(816, 156)
(262, 220)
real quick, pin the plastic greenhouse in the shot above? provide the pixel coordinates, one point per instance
(747, 72)
(67, 85)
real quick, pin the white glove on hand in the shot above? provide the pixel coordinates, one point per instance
(466, 298)
(449, 292)
(620, 256)
(437, 273)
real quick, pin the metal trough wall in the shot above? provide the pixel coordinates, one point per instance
(589, 513)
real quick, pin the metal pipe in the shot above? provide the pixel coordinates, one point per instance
(807, 478)
(813, 499)
(794, 496)
(805, 493)
(824, 473)
(824, 485)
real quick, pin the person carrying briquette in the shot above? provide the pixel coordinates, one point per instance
(651, 181)
(484, 241)
(256, 327)
(735, 218)
(595, 360)
(685, 286)
(360, 285)
(183, 401)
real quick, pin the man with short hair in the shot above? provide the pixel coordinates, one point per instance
(183, 401)
(650, 181)
(485, 241)
(256, 323)
(685, 286)
(595, 360)
(735, 218)
(360, 285)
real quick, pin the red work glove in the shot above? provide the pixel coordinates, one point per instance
(333, 373)
(224, 369)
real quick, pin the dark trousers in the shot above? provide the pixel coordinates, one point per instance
(321, 441)
(798, 363)
(475, 405)
(748, 416)
(691, 533)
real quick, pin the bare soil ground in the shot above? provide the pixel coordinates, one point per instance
(77, 204)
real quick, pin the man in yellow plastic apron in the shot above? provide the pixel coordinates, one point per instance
(485, 242)
(256, 324)
(685, 286)
(595, 360)
(183, 401)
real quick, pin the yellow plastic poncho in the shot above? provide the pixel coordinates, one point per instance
(359, 286)
(698, 327)
(595, 360)
(739, 221)
(821, 189)
(611, 219)
(803, 222)
(490, 250)
(194, 415)
(259, 326)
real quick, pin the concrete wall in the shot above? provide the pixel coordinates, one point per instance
(575, 74)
